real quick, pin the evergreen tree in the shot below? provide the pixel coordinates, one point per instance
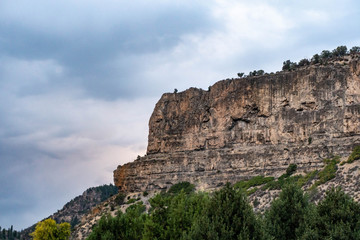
(227, 216)
(355, 50)
(171, 216)
(288, 65)
(325, 54)
(315, 59)
(339, 216)
(289, 216)
(127, 225)
(339, 51)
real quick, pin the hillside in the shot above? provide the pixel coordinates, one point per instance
(261, 191)
(74, 210)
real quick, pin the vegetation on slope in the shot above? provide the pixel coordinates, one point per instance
(182, 213)
(79, 206)
(355, 155)
(227, 214)
(270, 183)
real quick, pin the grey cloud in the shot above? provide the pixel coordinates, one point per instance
(87, 54)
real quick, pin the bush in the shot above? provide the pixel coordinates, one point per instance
(291, 169)
(355, 155)
(325, 54)
(252, 182)
(304, 62)
(329, 171)
(288, 65)
(257, 73)
(308, 177)
(315, 59)
(282, 181)
(355, 50)
(339, 51)
(240, 75)
(119, 199)
(131, 201)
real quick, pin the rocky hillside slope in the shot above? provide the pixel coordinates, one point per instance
(251, 126)
(73, 211)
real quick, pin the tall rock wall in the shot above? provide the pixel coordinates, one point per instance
(249, 126)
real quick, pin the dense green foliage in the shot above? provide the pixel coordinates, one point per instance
(290, 215)
(124, 226)
(339, 216)
(185, 186)
(171, 217)
(226, 214)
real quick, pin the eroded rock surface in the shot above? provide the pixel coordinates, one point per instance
(250, 126)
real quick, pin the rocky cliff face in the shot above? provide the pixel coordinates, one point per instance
(249, 126)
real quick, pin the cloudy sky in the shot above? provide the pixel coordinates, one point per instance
(79, 79)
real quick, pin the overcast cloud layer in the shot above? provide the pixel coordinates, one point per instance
(79, 79)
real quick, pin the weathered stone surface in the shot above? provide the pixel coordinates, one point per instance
(249, 126)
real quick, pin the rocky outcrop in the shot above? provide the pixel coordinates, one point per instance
(249, 126)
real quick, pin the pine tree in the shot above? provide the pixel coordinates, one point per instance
(339, 216)
(289, 216)
(227, 216)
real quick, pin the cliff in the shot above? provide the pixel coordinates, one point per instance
(249, 126)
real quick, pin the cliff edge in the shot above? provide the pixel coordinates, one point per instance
(249, 126)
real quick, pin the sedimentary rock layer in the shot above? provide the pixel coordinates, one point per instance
(249, 126)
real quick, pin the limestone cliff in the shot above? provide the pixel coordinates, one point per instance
(249, 126)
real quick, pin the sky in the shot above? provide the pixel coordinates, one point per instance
(79, 78)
